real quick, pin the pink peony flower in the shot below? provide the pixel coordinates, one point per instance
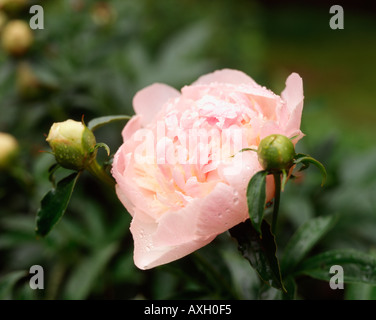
(179, 172)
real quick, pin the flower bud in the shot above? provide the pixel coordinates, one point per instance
(102, 14)
(73, 144)
(17, 37)
(8, 149)
(276, 152)
(28, 84)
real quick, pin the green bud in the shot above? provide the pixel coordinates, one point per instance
(276, 152)
(8, 149)
(73, 144)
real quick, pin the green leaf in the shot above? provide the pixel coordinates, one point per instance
(214, 268)
(358, 267)
(84, 277)
(270, 293)
(256, 198)
(259, 251)
(306, 160)
(360, 291)
(8, 281)
(54, 204)
(101, 121)
(290, 286)
(51, 173)
(303, 241)
(208, 271)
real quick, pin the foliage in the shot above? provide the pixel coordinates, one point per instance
(90, 60)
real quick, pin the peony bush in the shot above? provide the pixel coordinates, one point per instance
(197, 163)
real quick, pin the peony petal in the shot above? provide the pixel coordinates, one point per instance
(270, 127)
(148, 255)
(293, 95)
(131, 127)
(149, 101)
(176, 228)
(228, 76)
(244, 166)
(124, 200)
(129, 193)
(222, 209)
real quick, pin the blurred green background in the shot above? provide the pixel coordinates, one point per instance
(93, 56)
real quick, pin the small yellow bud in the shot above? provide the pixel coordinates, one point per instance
(28, 84)
(8, 149)
(102, 14)
(17, 37)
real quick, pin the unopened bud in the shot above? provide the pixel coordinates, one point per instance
(276, 152)
(102, 14)
(28, 84)
(17, 37)
(73, 144)
(8, 149)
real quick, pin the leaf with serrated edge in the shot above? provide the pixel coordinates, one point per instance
(259, 251)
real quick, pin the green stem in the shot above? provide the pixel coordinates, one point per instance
(277, 196)
(98, 171)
